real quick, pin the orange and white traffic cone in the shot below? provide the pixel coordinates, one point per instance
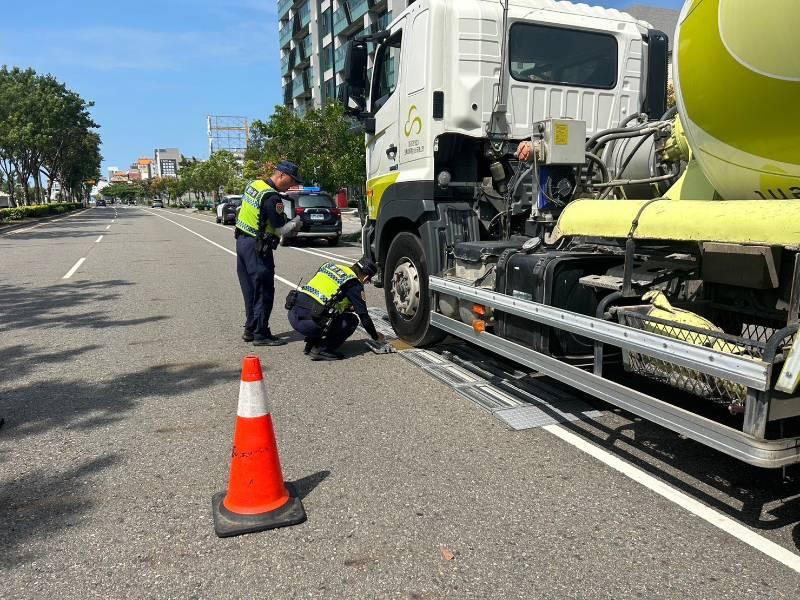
(257, 498)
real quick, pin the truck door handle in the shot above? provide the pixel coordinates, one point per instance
(391, 152)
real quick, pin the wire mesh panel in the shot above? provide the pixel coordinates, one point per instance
(751, 344)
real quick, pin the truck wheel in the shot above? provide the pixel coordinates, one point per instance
(405, 287)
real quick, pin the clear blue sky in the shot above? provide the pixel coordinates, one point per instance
(155, 70)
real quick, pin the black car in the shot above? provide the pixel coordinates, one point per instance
(228, 209)
(100, 202)
(318, 213)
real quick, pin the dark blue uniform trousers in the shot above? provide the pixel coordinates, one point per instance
(341, 328)
(257, 280)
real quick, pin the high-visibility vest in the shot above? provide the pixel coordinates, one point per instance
(247, 219)
(326, 283)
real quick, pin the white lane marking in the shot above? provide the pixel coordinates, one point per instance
(74, 268)
(697, 508)
(108, 227)
(12, 232)
(97, 241)
(202, 237)
(325, 252)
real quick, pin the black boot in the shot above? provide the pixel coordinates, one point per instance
(319, 354)
(269, 340)
(248, 336)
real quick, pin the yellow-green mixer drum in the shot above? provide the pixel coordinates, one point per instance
(737, 80)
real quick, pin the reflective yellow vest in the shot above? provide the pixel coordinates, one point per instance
(247, 219)
(326, 283)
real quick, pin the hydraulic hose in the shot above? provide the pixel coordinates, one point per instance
(592, 158)
(670, 113)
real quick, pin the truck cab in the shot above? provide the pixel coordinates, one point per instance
(455, 86)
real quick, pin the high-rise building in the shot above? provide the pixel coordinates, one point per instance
(167, 161)
(312, 37)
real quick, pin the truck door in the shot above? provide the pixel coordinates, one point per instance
(383, 152)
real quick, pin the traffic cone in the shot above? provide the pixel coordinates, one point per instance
(257, 498)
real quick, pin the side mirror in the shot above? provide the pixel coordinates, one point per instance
(352, 100)
(355, 65)
(369, 125)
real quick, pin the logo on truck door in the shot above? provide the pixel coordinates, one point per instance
(415, 122)
(413, 127)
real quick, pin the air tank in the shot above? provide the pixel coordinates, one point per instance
(737, 81)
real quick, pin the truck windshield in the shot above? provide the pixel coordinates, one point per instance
(539, 53)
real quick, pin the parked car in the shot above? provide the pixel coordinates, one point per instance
(100, 202)
(157, 204)
(228, 209)
(318, 212)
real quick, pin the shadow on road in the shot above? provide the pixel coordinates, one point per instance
(308, 484)
(38, 503)
(22, 307)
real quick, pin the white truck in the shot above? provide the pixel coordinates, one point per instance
(606, 261)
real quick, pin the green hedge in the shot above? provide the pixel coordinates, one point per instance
(36, 210)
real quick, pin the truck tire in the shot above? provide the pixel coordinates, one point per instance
(405, 288)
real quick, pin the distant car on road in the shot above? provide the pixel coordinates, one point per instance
(157, 204)
(318, 212)
(100, 202)
(228, 209)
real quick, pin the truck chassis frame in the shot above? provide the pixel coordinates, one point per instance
(749, 444)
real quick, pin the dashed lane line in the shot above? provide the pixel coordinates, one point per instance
(74, 268)
(97, 241)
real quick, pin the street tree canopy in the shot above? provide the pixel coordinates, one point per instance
(320, 142)
(46, 136)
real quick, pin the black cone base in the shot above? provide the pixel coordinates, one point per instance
(228, 524)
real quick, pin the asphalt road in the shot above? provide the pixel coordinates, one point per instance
(119, 389)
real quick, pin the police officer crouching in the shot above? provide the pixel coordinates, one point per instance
(327, 310)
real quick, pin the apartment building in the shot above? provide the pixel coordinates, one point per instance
(312, 36)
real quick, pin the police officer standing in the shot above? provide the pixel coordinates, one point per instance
(259, 226)
(323, 310)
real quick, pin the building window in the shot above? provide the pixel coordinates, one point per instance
(327, 21)
(327, 57)
(169, 167)
(329, 90)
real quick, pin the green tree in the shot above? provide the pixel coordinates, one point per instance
(322, 143)
(46, 131)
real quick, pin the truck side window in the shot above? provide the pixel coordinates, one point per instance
(386, 63)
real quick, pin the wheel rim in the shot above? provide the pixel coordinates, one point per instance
(405, 288)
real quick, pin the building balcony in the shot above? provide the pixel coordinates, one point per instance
(302, 17)
(283, 8)
(341, 20)
(287, 94)
(340, 53)
(357, 8)
(382, 22)
(306, 48)
(293, 62)
(301, 86)
(285, 34)
(285, 64)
